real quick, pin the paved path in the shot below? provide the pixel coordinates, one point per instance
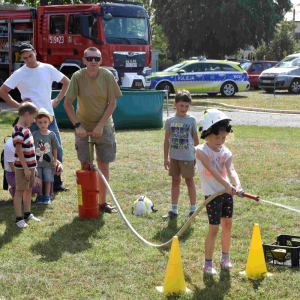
(240, 117)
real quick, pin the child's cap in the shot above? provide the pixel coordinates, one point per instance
(43, 111)
(211, 117)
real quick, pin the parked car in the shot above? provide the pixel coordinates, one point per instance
(286, 75)
(199, 75)
(255, 68)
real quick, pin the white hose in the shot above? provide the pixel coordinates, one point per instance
(185, 226)
(180, 232)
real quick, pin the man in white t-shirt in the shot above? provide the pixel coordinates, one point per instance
(34, 81)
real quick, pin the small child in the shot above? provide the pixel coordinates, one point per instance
(213, 160)
(180, 139)
(25, 163)
(46, 145)
(9, 160)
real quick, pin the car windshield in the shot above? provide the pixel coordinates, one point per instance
(246, 66)
(171, 69)
(289, 62)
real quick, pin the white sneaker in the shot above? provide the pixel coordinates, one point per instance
(209, 270)
(33, 218)
(21, 224)
(226, 264)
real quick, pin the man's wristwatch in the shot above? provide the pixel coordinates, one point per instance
(57, 100)
(77, 125)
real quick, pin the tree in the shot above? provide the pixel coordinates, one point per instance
(217, 27)
(282, 44)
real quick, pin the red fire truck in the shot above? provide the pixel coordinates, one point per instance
(61, 33)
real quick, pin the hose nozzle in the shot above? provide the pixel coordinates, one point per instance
(241, 193)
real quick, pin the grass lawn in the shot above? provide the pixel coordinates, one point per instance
(65, 257)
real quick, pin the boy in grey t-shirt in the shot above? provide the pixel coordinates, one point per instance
(180, 139)
(46, 145)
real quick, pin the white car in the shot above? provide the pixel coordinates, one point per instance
(284, 76)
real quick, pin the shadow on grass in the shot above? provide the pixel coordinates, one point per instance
(170, 231)
(213, 289)
(71, 238)
(7, 216)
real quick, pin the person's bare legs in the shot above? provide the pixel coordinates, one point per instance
(18, 203)
(104, 168)
(175, 190)
(191, 190)
(226, 224)
(210, 241)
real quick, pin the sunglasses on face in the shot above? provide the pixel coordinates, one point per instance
(90, 58)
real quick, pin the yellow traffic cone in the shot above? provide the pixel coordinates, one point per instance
(256, 264)
(174, 279)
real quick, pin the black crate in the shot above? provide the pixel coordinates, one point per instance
(291, 244)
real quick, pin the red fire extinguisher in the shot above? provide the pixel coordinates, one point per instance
(87, 188)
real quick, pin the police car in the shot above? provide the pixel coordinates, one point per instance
(199, 75)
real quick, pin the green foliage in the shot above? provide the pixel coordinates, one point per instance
(217, 28)
(282, 44)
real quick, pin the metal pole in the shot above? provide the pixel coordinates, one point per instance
(167, 101)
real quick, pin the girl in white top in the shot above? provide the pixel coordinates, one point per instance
(214, 164)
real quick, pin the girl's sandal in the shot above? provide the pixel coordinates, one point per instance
(107, 208)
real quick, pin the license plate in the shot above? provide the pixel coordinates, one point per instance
(267, 81)
(130, 64)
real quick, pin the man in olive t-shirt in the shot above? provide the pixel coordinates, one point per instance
(96, 90)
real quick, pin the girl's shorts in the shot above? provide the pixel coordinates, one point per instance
(219, 207)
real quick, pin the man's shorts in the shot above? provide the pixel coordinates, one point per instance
(46, 174)
(181, 167)
(221, 206)
(21, 182)
(106, 147)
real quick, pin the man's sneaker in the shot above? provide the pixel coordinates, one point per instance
(170, 215)
(226, 264)
(209, 270)
(33, 218)
(21, 224)
(40, 199)
(47, 200)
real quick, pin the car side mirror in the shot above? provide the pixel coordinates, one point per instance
(181, 71)
(253, 70)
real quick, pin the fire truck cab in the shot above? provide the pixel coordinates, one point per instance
(61, 33)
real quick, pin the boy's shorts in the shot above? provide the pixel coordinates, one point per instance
(106, 147)
(21, 182)
(221, 206)
(181, 167)
(46, 174)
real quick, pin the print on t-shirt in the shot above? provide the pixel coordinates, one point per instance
(180, 135)
(41, 151)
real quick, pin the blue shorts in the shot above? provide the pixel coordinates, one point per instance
(219, 207)
(46, 174)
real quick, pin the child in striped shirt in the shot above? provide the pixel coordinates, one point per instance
(25, 163)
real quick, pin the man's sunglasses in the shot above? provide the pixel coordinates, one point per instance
(90, 58)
